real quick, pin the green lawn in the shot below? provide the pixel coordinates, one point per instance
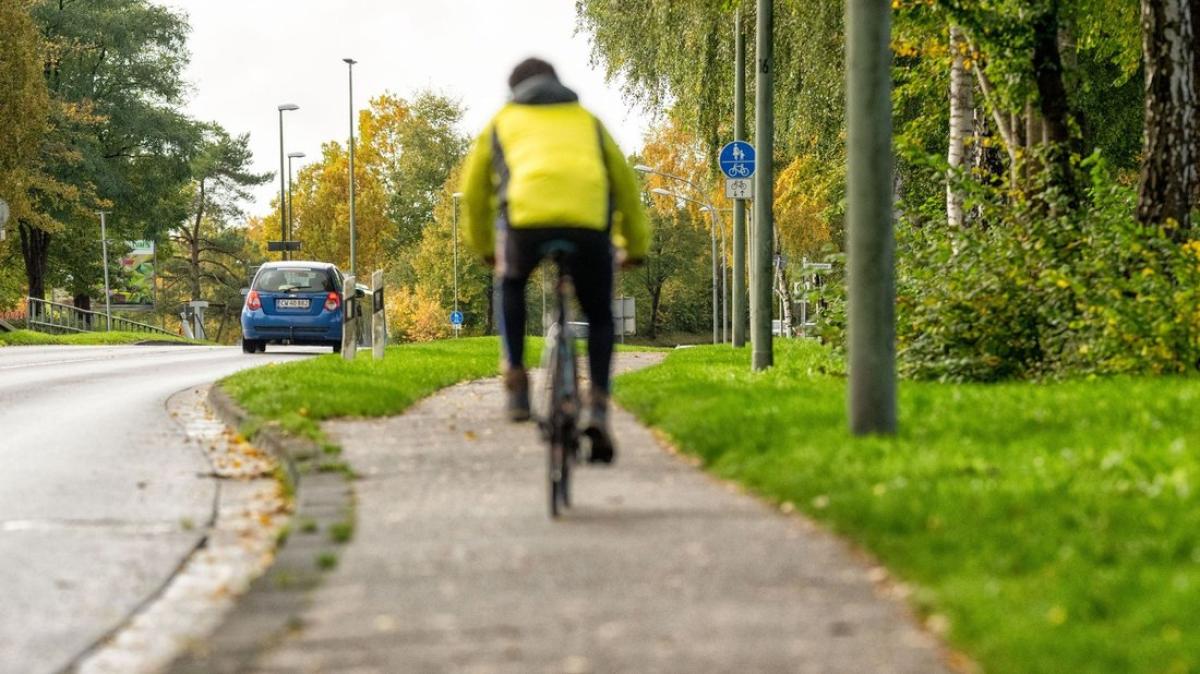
(31, 338)
(299, 395)
(1055, 526)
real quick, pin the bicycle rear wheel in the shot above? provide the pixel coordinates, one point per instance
(562, 434)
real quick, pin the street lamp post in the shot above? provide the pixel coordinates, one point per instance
(454, 234)
(283, 205)
(726, 333)
(350, 70)
(104, 257)
(290, 220)
(717, 278)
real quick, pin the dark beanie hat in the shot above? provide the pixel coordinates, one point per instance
(530, 67)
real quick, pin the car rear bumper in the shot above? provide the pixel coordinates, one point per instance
(321, 329)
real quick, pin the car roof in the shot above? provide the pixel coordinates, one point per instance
(298, 263)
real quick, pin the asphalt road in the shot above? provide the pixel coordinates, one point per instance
(101, 496)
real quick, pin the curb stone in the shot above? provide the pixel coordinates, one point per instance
(272, 607)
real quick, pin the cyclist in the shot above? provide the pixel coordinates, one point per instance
(545, 169)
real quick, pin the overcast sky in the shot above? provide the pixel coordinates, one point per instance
(249, 56)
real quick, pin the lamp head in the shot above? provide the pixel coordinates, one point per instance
(296, 155)
(287, 107)
(349, 61)
(642, 168)
(457, 195)
(665, 193)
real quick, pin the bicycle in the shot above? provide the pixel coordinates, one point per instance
(739, 171)
(559, 420)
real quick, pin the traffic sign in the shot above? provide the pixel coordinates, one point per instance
(739, 188)
(737, 159)
(456, 318)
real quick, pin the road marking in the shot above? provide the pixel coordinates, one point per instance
(107, 525)
(42, 363)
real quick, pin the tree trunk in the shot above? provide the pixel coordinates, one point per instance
(655, 303)
(35, 249)
(1054, 107)
(962, 109)
(1168, 181)
(194, 247)
(84, 301)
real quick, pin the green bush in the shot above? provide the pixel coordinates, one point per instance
(1038, 287)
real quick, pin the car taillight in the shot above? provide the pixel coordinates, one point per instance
(332, 302)
(253, 303)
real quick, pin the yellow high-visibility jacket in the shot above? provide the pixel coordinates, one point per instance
(545, 161)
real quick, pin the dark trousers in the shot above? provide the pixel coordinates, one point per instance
(590, 265)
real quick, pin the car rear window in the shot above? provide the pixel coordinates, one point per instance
(283, 279)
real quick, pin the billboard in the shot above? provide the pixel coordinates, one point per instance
(133, 286)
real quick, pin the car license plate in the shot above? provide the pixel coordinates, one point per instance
(291, 304)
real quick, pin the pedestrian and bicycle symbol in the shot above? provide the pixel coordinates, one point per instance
(456, 318)
(737, 160)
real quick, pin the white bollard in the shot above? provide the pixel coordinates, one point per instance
(378, 324)
(349, 319)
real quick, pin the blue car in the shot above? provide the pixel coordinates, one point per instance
(293, 303)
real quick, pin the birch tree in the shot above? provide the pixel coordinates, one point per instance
(1168, 181)
(962, 111)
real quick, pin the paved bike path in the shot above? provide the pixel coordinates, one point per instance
(455, 566)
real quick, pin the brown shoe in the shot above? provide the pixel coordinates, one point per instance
(596, 429)
(516, 388)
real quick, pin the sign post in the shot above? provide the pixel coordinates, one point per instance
(378, 323)
(104, 258)
(456, 321)
(739, 205)
(624, 316)
(349, 319)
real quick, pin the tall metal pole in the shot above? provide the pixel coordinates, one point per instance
(454, 235)
(716, 285)
(764, 192)
(282, 189)
(871, 317)
(287, 235)
(719, 225)
(283, 203)
(350, 64)
(291, 224)
(104, 256)
(739, 205)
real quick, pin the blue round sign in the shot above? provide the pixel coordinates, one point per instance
(456, 318)
(737, 159)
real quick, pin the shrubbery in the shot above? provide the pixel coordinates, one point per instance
(414, 315)
(1037, 288)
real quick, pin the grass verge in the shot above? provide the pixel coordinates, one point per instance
(31, 338)
(1047, 527)
(299, 395)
